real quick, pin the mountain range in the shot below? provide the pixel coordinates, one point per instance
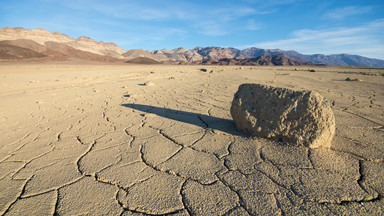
(41, 45)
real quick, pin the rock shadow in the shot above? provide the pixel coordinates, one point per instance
(201, 120)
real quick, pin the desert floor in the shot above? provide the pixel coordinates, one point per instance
(97, 140)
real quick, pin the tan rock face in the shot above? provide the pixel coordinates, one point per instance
(292, 117)
(42, 36)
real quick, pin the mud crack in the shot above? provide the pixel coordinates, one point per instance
(169, 172)
(82, 156)
(241, 201)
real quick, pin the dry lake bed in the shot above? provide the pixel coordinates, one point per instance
(160, 140)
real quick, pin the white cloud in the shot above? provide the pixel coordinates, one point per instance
(363, 40)
(340, 13)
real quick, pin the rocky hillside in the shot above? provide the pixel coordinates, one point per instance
(9, 51)
(50, 51)
(41, 36)
(142, 60)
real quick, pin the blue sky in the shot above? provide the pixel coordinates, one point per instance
(306, 26)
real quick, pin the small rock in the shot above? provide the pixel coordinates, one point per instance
(312, 70)
(149, 84)
(353, 79)
(203, 70)
(292, 117)
(148, 115)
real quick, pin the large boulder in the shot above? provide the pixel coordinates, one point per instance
(287, 116)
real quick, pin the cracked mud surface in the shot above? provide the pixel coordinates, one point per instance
(93, 140)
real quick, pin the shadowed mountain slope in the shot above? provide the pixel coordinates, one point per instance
(260, 60)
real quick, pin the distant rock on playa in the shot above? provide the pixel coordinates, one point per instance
(149, 84)
(288, 116)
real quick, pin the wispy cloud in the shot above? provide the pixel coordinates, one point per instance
(271, 3)
(219, 21)
(229, 12)
(211, 28)
(340, 13)
(150, 39)
(364, 40)
(203, 18)
(252, 25)
(134, 10)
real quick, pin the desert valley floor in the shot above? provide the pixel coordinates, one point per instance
(159, 140)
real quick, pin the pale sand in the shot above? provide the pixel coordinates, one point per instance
(120, 140)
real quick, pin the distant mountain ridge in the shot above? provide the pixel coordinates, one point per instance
(20, 43)
(271, 60)
(204, 53)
